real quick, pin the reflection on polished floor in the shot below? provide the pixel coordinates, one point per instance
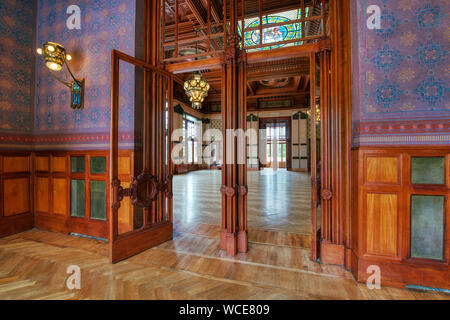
(33, 264)
(278, 201)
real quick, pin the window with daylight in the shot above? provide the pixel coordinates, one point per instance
(276, 143)
(191, 131)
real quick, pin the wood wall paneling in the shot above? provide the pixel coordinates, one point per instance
(60, 196)
(382, 170)
(59, 164)
(42, 188)
(382, 224)
(17, 196)
(42, 164)
(16, 164)
(125, 165)
(381, 221)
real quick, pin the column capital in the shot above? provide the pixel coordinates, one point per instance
(325, 45)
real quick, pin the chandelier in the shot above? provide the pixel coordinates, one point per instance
(196, 88)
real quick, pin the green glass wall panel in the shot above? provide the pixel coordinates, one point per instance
(77, 198)
(98, 200)
(427, 227)
(77, 165)
(98, 165)
(430, 170)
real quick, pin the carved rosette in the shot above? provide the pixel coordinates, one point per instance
(228, 191)
(242, 190)
(327, 194)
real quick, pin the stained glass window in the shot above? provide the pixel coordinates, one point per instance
(273, 34)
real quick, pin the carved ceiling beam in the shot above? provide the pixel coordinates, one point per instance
(196, 11)
(305, 86)
(296, 82)
(279, 94)
(251, 87)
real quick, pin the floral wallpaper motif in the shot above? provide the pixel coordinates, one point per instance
(17, 24)
(401, 73)
(105, 25)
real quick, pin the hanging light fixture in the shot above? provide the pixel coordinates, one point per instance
(196, 87)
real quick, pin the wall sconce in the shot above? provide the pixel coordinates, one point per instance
(56, 57)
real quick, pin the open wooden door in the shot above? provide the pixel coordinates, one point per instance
(145, 201)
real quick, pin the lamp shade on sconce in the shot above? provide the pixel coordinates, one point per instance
(54, 55)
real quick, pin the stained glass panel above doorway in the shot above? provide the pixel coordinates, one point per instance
(273, 34)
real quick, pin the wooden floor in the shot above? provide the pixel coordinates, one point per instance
(278, 201)
(33, 264)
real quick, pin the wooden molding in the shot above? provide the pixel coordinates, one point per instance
(332, 254)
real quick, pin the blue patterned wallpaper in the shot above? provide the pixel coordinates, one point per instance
(105, 25)
(17, 31)
(401, 73)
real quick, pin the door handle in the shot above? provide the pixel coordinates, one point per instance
(144, 190)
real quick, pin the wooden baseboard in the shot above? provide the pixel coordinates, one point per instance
(297, 170)
(332, 254)
(16, 224)
(400, 274)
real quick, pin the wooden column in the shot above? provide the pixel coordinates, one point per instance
(314, 185)
(234, 176)
(327, 157)
(335, 59)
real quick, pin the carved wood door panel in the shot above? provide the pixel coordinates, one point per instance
(141, 189)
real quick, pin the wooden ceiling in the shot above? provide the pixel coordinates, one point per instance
(275, 84)
(189, 34)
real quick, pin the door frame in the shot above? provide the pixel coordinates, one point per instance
(338, 108)
(288, 120)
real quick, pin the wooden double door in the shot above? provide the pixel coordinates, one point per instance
(148, 191)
